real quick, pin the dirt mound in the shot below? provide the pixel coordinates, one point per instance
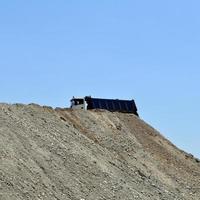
(89, 155)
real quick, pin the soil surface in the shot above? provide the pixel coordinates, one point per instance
(64, 154)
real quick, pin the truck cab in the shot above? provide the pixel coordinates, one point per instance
(78, 103)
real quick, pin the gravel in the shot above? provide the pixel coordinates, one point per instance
(65, 154)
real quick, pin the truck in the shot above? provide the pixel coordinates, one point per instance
(113, 105)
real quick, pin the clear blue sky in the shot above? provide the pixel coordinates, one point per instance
(147, 50)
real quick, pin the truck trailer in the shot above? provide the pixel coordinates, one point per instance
(113, 105)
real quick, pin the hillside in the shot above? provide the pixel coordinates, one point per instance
(68, 154)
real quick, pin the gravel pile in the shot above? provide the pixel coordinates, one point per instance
(64, 154)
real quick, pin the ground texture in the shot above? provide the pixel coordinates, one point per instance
(89, 155)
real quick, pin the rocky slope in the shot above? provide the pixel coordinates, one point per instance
(89, 155)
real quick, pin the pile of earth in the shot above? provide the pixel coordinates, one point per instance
(65, 154)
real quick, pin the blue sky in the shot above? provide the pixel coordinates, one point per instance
(146, 50)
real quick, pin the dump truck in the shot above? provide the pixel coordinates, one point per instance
(113, 105)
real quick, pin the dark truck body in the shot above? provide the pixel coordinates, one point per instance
(113, 105)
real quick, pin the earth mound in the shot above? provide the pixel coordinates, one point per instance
(65, 154)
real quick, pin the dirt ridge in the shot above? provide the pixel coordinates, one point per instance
(65, 154)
